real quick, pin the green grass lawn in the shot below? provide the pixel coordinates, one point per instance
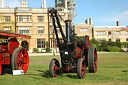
(112, 70)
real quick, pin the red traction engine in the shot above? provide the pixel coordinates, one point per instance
(75, 55)
(11, 54)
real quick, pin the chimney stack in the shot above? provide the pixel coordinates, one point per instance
(24, 3)
(2, 3)
(90, 21)
(65, 3)
(7, 6)
(118, 23)
(44, 3)
(42, 6)
(86, 21)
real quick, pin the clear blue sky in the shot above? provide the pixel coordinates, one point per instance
(103, 12)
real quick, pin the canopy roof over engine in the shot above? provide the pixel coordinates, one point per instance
(11, 34)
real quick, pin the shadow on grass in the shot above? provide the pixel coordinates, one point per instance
(124, 70)
(6, 70)
(47, 75)
(72, 76)
(44, 73)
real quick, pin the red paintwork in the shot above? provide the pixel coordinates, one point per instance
(9, 34)
(56, 68)
(1, 56)
(13, 44)
(96, 61)
(83, 69)
(3, 48)
(78, 53)
(7, 61)
(87, 43)
(23, 56)
(0, 69)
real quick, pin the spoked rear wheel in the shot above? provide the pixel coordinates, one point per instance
(81, 68)
(92, 59)
(54, 68)
(21, 59)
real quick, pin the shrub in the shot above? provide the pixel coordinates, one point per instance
(94, 45)
(94, 41)
(47, 47)
(113, 49)
(35, 50)
(104, 46)
(124, 44)
(78, 38)
(118, 44)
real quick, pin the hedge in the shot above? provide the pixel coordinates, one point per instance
(113, 49)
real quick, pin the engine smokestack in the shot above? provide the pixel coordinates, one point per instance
(68, 30)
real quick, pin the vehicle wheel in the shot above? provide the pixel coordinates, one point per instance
(21, 59)
(81, 68)
(0, 69)
(92, 59)
(54, 68)
(12, 59)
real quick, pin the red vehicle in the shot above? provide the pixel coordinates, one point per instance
(11, 54)
(75, 54)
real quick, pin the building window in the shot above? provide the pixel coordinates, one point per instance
(109, 39)
(83, 30)
(40, 43)
(117, 33)
(58, 30)
(118, 40)
(101, 39)
(127, 32)
(109, 33)
(40, 30)
(24, 30)
(7, 19)
(100, 33)
(126, 39)
(40, 18)
(24, 18)
(7, 29)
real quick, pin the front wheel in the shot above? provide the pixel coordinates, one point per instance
(81, 68)
(54, 68)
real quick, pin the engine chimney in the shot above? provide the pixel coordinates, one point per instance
(68, 30)
(118, 23)
(2, 3)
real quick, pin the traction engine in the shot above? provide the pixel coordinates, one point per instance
(75, 55)
(11, 54)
